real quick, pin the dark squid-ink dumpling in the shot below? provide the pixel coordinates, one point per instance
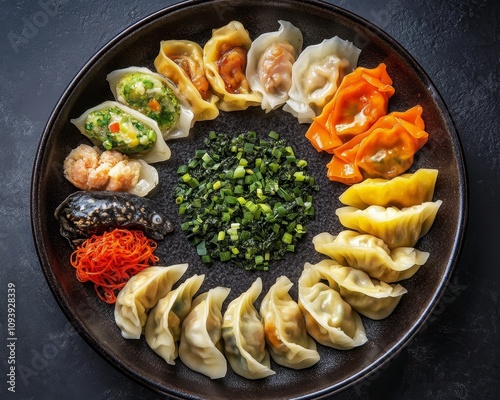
(87, 213)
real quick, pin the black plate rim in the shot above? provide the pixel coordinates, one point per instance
(353, 379)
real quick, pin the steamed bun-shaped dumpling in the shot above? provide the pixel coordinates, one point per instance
(316, 75)
(114, 126)
(329, 319)
(403, 191)
(155, 97)
(141, 293)
(225, 58)
(163, 327)
(373, 298)
(243, 334)
(396, 227)
(270, 60)
(181, 61)
(371, 255)
(285, 328)
(200, 346)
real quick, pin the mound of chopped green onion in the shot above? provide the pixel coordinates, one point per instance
(245, 200)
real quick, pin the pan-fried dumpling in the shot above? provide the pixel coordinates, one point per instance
(371, 255)
(163, 327)
(403, 191)
(373, 298)
(329, 319)
(396, 227)
(181, 61)
(113, 126)
(270, 60)
(154, 96)
(285, 328)
(200, 347)
(141, 294)
(316, 75)
(225, 58)
(243, 334)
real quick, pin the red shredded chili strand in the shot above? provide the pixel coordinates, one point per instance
(111, 259)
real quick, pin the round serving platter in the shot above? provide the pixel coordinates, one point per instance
(194, 20)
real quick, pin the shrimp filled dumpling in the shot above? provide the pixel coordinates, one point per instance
(396, 227)
(163, 327)
(141, 293)
(113, 126)
(200, 346)
(329, 319)
(285, 328)
(243, 334)
(225, 58)
(155, 97)
(371, 255)
(373, 298)
(402, 191)
(270, 60)
(181, 61)
(316, 75)
(88, 168)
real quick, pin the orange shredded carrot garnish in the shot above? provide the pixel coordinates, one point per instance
(111, 259)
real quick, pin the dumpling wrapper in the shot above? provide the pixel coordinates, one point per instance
(370, 297)
(164, 323)
(402, 191)
(396, 227)
(141, 293)
(329, 320)
(286, 335)
(316, 75)
(189, 53)
(160, 151)
(270, 60)
(371, 255)
(244, 338)
(182, 127)
(200, 347)
(231, 36)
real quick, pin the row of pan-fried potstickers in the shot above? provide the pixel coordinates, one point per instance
(233, 73)
(175, 324)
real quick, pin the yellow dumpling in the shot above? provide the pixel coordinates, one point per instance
(403, 191)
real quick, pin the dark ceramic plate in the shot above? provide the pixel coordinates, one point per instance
(138, 46)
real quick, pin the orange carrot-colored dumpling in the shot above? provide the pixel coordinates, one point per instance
(384, 151)
(361, 99)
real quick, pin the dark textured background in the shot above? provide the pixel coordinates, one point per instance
(456, 355)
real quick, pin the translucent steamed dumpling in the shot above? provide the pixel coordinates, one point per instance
(270, 60)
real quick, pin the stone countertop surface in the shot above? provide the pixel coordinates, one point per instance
(456, 355)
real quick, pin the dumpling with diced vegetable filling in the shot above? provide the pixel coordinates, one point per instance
(371, 255)
(225, 58)
(402, 191)
(316, 75)
(285, 328)
(141, 293)
(200, 346)
(329, 319)
(154, 96)
(243, 334)
(113, 126)
(181, 61)
(373, 298)
(163, 327)
(270, 60)
(396, 227)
